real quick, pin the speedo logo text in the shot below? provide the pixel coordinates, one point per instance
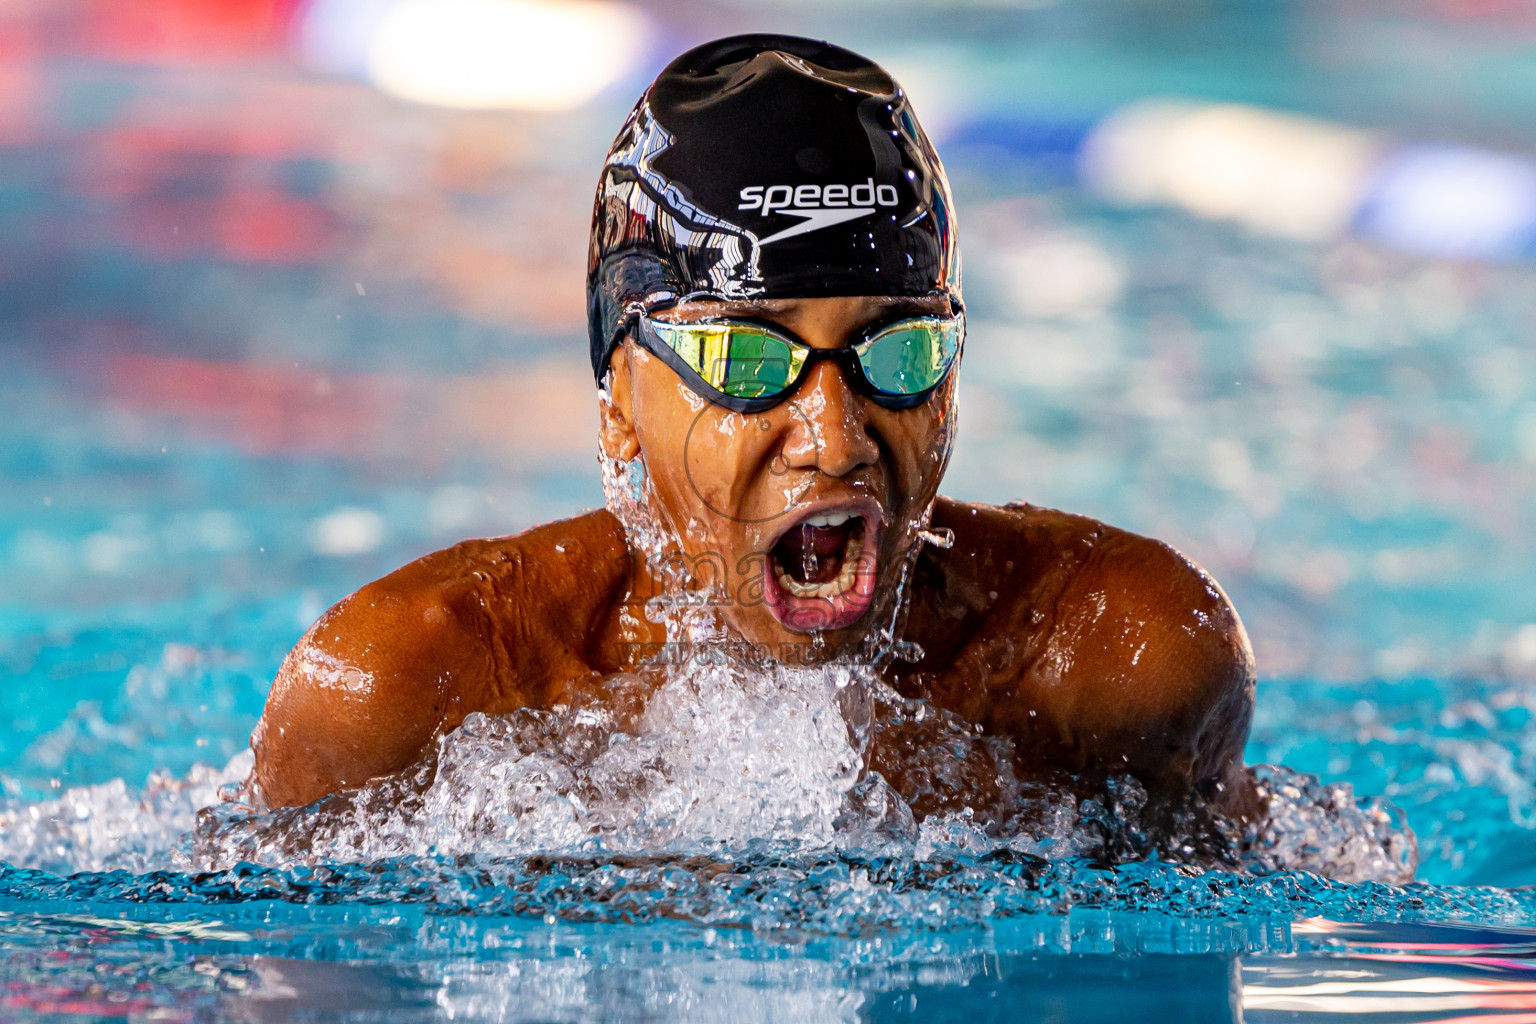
(818, 206)
(787, 198)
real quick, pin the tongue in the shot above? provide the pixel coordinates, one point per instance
(813, 554)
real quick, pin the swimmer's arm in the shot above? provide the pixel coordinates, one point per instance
(1148, 670)
(486, 625)
(369, 687)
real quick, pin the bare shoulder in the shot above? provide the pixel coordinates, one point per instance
(1100, 647)
(406, 656)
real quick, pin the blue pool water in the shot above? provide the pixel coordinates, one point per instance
(211, 432)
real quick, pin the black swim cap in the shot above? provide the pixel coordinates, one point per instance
(766, 166)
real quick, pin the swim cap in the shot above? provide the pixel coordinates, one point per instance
(766, 166)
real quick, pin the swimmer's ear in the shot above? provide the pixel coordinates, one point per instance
(616, 420)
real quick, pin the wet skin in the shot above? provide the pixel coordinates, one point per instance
(1093, 648)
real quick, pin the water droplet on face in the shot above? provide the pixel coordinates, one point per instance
(942, 537)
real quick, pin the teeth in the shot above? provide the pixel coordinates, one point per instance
(831, 588)
(829, 519)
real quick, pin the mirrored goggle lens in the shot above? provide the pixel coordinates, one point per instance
(910, 356)
(740, 360)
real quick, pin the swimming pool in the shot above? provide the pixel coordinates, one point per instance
(270, 335)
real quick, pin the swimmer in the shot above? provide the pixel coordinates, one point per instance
(776, 328)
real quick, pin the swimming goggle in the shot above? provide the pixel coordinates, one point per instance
(748, 365)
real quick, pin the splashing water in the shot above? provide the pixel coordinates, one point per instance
(737, 793)
(717, 752)
(812, 800)
(720, 790)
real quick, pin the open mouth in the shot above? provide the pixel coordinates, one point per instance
(818, 558)
(823, 571)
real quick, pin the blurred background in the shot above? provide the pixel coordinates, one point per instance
(291, 291)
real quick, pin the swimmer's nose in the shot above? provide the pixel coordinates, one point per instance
(829, 425)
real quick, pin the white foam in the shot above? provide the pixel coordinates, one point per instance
(108, 826)
(708, 754)
(723, 756)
